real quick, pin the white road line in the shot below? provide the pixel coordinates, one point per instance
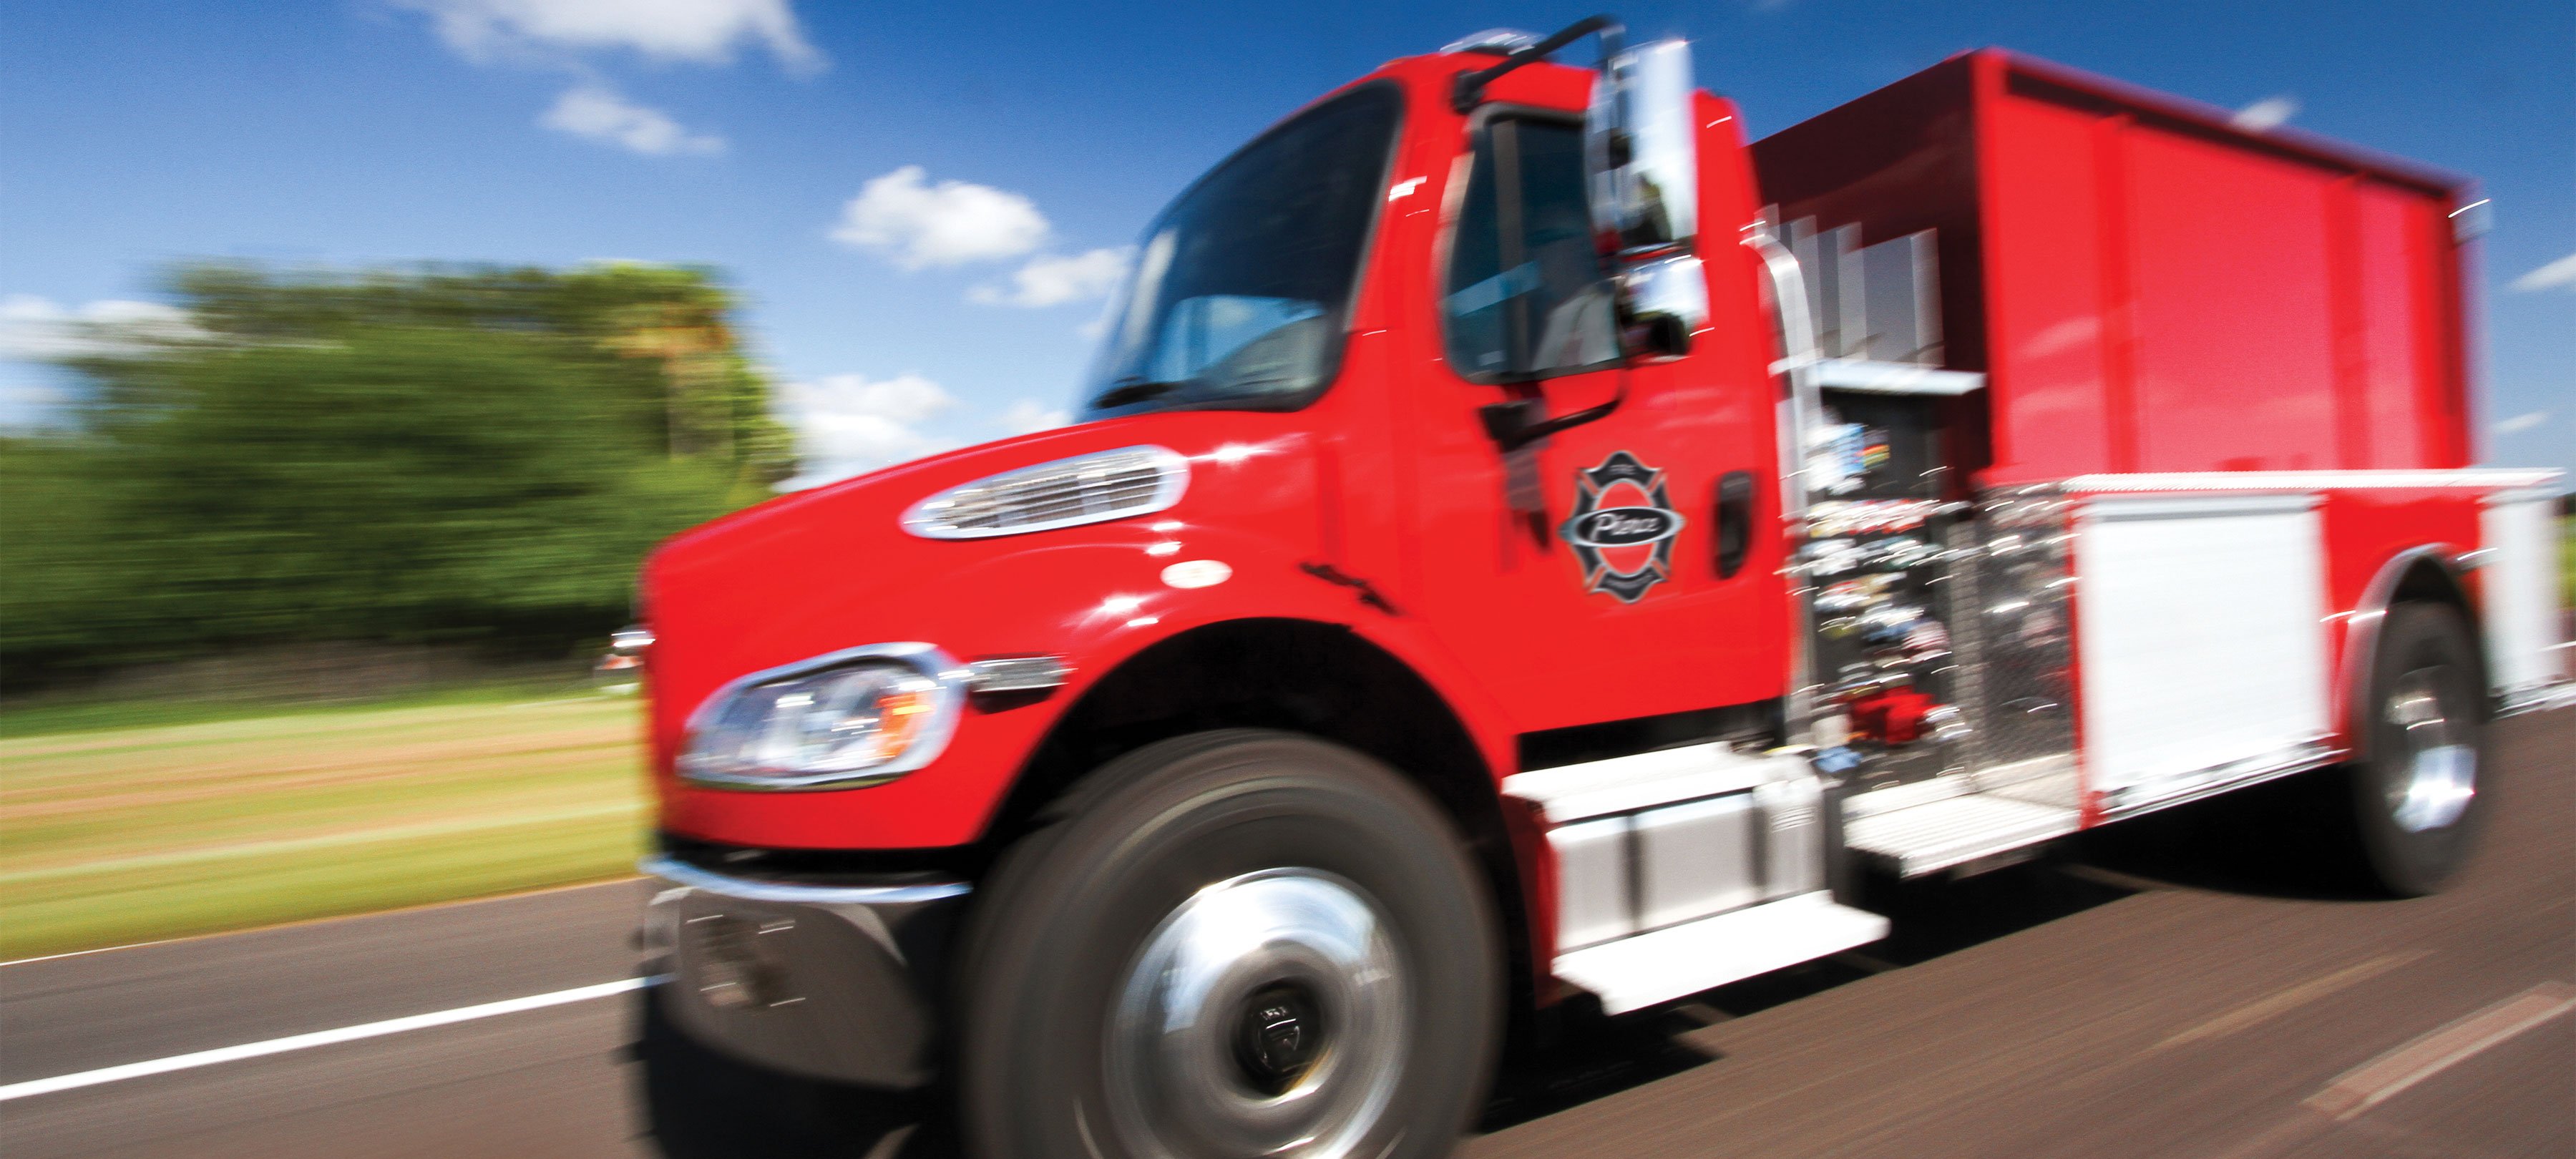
(136, 1070)
(91, 950)
(2383, 1078)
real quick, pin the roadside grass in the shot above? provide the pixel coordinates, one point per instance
(132, 834)
(25, 717)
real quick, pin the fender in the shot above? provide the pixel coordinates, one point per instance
(1263, 582)
(1127, 601)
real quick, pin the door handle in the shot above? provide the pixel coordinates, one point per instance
(1734, 533)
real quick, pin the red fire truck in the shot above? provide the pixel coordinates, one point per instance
(1523, 545)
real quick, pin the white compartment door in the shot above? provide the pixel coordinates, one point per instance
(2520, 585)
(2200, 635)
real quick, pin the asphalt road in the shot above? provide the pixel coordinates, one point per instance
(2183, 985)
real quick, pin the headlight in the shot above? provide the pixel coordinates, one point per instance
(840, 721)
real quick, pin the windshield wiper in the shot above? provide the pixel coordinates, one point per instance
(1128, 390)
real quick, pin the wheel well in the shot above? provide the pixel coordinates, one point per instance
(2427, 581)
(1299, 676)
(2423, 575)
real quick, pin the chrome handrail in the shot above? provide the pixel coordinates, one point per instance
(1798, 334)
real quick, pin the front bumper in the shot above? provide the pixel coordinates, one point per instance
(832, 982)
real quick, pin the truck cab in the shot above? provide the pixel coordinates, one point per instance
(1486, 573)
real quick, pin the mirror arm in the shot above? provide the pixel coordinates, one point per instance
(1470, 86)
(1510, 426)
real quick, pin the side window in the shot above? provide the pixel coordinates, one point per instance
(1528, 294)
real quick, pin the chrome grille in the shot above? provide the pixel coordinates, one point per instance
(1084, 489)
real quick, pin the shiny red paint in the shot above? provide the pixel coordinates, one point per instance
(2147, 287)
(1500, 588)
(2369, 522)
(1388, 477)
(2080, 271)
(2365, 529)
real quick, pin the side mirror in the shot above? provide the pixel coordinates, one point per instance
(1643, 149)
(1641, 146)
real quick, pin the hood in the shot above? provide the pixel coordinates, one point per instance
(832, 568)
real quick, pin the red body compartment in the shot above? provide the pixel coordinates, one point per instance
(2146, 287)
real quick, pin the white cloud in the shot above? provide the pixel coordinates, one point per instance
(1028, 416)
(599, 113)
(847, 424)
(35, 329)
(905, 398)
(1053, 280)
(2269, 113)
(918, 224)
(2557, 275)
(698, 31)
(2521, 422)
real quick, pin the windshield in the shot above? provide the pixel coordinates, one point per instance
(1241, 288)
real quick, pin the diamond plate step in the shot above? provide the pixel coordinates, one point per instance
(1937, 834)
(1669, 963)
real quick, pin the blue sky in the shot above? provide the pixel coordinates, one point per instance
(999, 155)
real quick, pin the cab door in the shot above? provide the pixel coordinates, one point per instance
(1598, 573)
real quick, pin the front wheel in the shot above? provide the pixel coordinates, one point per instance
(2419, 795)
(1231, 944)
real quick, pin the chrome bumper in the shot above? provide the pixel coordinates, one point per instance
(829, 982)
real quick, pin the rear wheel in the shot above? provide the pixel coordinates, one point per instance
(1231, 944)
(2420, 794)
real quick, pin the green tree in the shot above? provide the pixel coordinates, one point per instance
(436, 455)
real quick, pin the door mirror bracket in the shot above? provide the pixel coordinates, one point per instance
(1519, 422)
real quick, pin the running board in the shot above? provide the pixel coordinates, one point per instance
(2538, 698)
(1948, 831)
(1640, 971)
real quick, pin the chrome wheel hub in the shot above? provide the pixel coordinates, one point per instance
(2439, 771)
(1265, 1016)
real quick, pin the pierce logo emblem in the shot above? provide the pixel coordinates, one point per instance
(1622, 527)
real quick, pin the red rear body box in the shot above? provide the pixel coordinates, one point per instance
(2146, 287)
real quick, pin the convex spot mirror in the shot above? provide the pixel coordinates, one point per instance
(1663, 300)
(1641, 146)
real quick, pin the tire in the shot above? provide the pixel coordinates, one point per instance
(1114, 1005)
(2423, 791)
(700, 1104)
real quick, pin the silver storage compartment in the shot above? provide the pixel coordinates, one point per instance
(1793, 848)
(1592, 882)
(1663, 838)
(1695, 859)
